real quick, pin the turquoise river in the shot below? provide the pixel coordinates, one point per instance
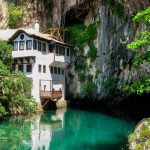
(65, 130)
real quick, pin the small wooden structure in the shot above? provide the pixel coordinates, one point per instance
(50, 94)
(56, 33)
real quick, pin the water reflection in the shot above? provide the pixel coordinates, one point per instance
(30, 132)
(64, 130)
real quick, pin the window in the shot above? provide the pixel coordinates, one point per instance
(40, 68)
(68, 51)
(28, 44)
(60, 50)
(62, 71)
(20, 67)
(44, 69)
(58, 70)
(21, 46)
(44, 47)
(35, 45)
(29, 68)
(52, 70)
(15, 46)
(55, 70)
(39, 46)
(57, 49)
(63, 50)
(22, 36)
(51, 48)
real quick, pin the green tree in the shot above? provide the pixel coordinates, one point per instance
(15, 87)
(5, 53)
(141, 47)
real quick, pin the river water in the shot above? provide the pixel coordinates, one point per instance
(65, 130)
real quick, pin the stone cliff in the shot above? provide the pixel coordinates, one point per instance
(112, 68)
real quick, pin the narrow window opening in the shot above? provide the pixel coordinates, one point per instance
(29, 68)
(29, 45)
(44, 69)
(15, 46)
(20, 67)
(21, 45)
(39, 46)
(35, 45)
(40, 68)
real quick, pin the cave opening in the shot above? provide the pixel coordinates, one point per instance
(77, 15)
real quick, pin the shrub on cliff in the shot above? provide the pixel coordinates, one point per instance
(142, 49)
(14, 16)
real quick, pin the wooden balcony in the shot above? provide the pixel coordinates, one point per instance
(50, 94)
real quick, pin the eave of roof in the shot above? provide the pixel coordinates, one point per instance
(33, 33)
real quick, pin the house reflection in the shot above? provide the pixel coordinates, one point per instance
(43, 127)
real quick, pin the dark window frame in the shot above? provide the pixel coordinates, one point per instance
(52, 69)
(63, 51)
(60, 50)
(58, 70)
(57, 49)
(62, 71)
(27, 48)
(51, 48)
(55, 70)
(22, 68)
(29, 68)
(14, 46)
(20, 45)
(39, 46)
(35, 46)
(68, 52)
(44, 47)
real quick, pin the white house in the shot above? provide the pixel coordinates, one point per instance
(42, 58)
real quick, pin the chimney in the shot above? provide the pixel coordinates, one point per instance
(37, 27)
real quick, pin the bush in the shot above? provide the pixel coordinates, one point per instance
(2, 110)
(88, 89)
(6, 53)
(80, 35)
(14, 16)
(15, 87)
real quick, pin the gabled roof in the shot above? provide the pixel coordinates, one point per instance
(11, 34)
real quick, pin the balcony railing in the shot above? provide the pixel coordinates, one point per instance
(50, 94)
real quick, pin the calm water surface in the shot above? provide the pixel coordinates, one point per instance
(65, 130)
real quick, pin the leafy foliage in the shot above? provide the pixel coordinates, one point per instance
(141, 136)
(5, 53)
(110, 84)
(80, 35)
(141, 47)
(14, 88)
(2, 110)
(88, 89)
(14, 16)
(116, 8)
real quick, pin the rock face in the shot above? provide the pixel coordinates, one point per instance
(115, 31)
(3, 14)
(140, 139)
